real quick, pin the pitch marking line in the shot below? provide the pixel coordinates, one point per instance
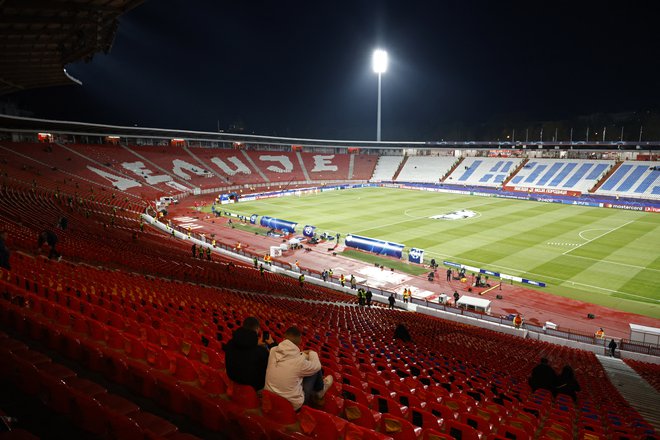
(616, 262)
(561, 280)
(601, 235)
(589, 230)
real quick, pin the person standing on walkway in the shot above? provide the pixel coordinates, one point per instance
(391, 300)
(612, 346)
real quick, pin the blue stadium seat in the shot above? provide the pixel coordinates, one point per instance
(616, 177)
(562, 175)
(535, 174)
(578, 175)
(470, 170)
(597, 171)
(551, 172)
(506, 167)
(633, 178)
(648, 181)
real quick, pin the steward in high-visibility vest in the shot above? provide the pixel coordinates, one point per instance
(518, 321)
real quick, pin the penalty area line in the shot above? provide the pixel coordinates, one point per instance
(596, 238)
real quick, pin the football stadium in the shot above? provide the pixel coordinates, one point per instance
(174, 283)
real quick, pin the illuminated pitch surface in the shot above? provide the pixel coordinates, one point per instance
(603, 256)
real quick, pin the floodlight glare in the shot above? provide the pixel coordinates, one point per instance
(379, 61)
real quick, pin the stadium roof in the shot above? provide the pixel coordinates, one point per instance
(17, 124)
(39, 37)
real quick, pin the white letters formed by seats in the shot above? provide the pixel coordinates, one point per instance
(324, 163)
(176, 185)
(180, 165)
(240, 166)
(118, 182)
(284, 160)
(144, 172)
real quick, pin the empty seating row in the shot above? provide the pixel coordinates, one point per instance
(566, 174)
(425, 168)
(634, 179)
(483, 171)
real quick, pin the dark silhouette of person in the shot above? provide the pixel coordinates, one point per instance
(566, 383)
(50, 238)
(368, 297)
(194, 250)
(448, 274)
(456, 297)
(246, 356)
(612, 346)
(401, 332)
(4, 251)
(543, 377)
(391, 300)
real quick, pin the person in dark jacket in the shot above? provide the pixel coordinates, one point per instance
(50, 238)
(246, 356)
(543, 377)
(4, 251)
(368, 295)
(566, 383)
(391, 300)
(401, 332)
(612, 346)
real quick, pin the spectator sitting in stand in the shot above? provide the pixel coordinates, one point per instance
(543, 377)
(246, 355)
(401, 332)
(297, 376)
(50, 238)
(4, 251)
(566, 383)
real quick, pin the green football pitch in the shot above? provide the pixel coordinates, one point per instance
(603, 256)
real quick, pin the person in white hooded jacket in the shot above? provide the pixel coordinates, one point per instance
(293, 374)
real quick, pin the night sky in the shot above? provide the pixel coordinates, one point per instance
(303, 68)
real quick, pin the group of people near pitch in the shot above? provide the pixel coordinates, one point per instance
(253, 358)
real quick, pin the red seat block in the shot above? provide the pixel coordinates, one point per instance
(277, 408)
(320, 425)
(399, 428)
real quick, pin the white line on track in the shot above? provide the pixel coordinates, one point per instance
(596, 238)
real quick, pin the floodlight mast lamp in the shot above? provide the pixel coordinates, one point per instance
(379, 61)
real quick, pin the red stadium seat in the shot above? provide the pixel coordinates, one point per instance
(320, 425)
(361, 414)
(399, 428)
(277, 408)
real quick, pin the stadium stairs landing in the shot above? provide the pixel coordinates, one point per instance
(514, 172)
(639, 394)
(606, 176)
(451, 170)
(401, 165)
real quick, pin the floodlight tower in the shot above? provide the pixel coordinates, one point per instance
(379, 62)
